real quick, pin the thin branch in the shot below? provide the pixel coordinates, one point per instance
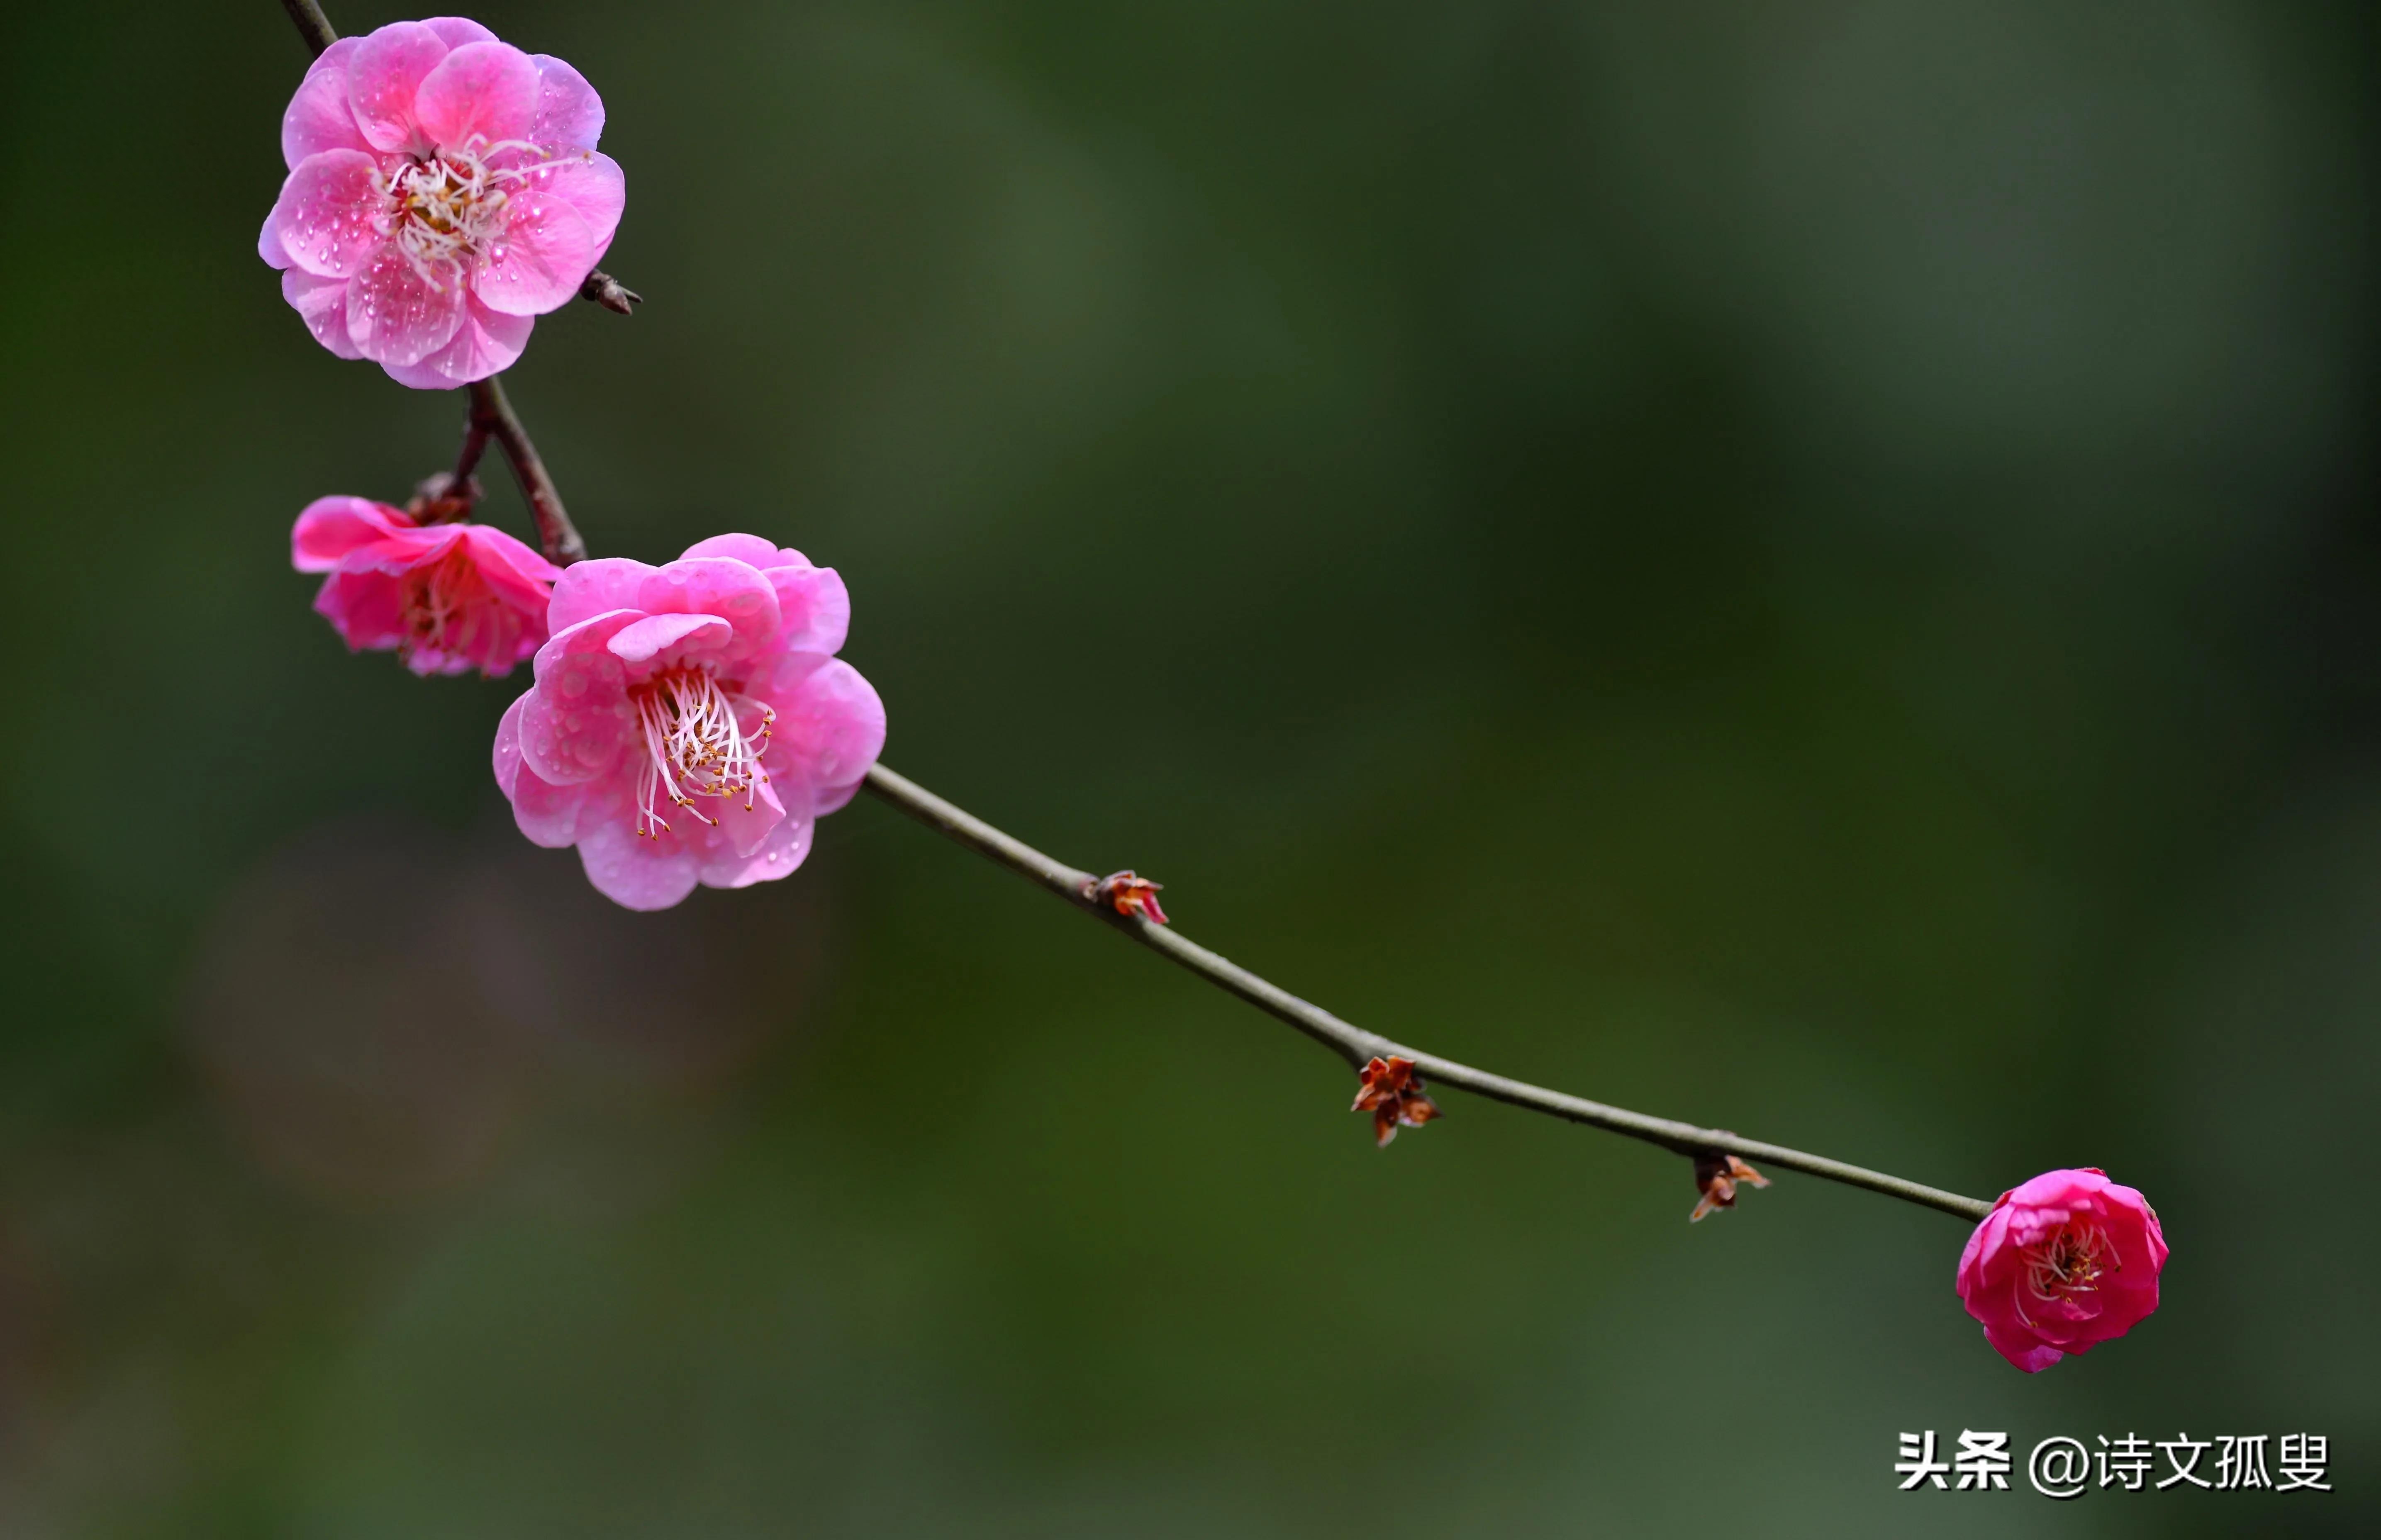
(1358, 1046)
(312, 25)
(493, 414)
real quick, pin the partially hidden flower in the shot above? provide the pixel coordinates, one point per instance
(690, 722)
(449, 597)
(443, 192)
(1129, 894)
(2065, 1261)
(1392, 1092)
(1715, 1177)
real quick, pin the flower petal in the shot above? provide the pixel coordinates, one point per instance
(642, 640)
(537, 263)
(597, 587)
(568, 111)
(331, 527)
(830, 725)
(457, 31)
(547, 814)
(329, 215)
(789, 841)
(484, 344)
(321, 304)
(589, 182)
(318, 117)
(479, 94)
(745, 827)
(636, 873)
(383, 73)
(719, 586)
(815, 605)
(751, 549)
(396, 316)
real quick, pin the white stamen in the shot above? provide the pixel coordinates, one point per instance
(696, 744)
(450, 206)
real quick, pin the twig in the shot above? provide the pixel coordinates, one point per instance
(1358, 1046)
(312, 25)
(492, 414)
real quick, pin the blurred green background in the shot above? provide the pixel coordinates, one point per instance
(1810, 568)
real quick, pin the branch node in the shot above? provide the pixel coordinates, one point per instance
(1127, 894)
(1716, 1174)
(443, 498)
(610, 292)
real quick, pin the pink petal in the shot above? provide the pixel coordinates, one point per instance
(484, 344)
(547, 814)
(568, 111)
(508, 564)
(778, 854)
(318, 118)
(395, 316)
(642, 640)
(594, 588)
(579, 720)
(633, 872)
(817, 607)
(508, 756)
(331, 527)
(589, 182)
(751, 549)
(744, 829)
(537, 261)
(321, 304)
(2022, 1349)
(367, 609)
(457, 31)
(716, 585)
(383, 73)
(268, 239)
(331, 211)
(830, 725)
(478, 95)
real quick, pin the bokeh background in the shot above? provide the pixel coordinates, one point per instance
(1811, 568)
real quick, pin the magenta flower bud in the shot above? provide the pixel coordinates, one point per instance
(443, 192)
(449, 597)
(2065, 1261)
(690, 722)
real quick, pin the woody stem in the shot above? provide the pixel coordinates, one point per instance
(1356, 1045)
(493, 417)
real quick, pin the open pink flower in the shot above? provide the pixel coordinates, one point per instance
(444, 190)
(2068, 1260)
(450, 598)
(690, 722)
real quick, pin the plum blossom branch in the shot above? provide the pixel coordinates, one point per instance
(1129, 904)
(493, 417)
(1359, 1047)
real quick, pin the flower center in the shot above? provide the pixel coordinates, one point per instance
(696, 744)
(450, 206)
(2069, 1262)
(448, 608)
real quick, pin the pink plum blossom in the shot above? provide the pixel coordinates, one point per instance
(450, 598)
(690, 722)
(2065, 1261)
(444, 190)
